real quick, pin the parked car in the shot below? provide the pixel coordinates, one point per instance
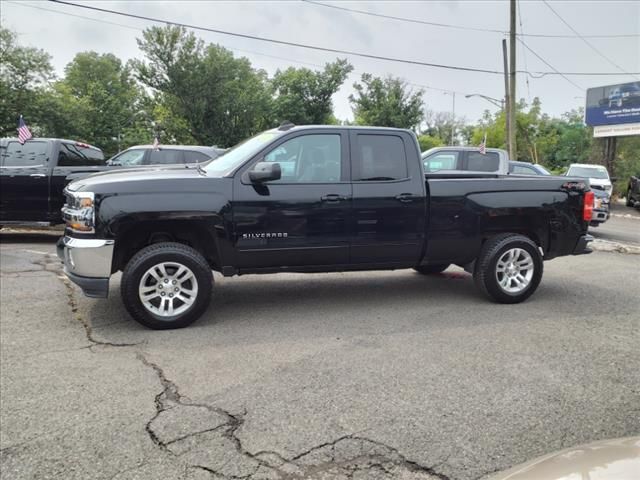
(33, 177)
(633, 191)
(353, 198)
(597, 174)
(466, 159)
(142, 155)
(613, 459)
(526, 168)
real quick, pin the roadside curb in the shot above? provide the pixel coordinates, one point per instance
(616, 247)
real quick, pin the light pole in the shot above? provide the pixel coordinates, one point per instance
(453, 117)
(495, 101)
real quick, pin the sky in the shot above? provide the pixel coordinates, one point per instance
(60, 31)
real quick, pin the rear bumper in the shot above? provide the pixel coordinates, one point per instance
(600, 216)
(582, 247)
(87, 263)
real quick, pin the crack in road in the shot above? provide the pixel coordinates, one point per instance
(343, 457)
(47, 262)
(222, 454)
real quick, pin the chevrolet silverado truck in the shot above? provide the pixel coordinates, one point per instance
(313, 199)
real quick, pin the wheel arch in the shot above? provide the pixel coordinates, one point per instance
(133, 235)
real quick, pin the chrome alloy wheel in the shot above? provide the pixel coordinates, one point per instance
(168, 289)
(514, 270)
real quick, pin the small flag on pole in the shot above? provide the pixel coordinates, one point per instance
(24, 133)
(483, 145)
(156, 143)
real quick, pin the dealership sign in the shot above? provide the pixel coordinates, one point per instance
(613, 105)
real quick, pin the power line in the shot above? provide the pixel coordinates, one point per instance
(314, 47)
(99, 20)
(461, 27)
(282, 42)
(550, 66)
(585, 40)
(289, 60)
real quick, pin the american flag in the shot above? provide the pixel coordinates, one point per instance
(156, 143)
(483, 145)
(24, 133)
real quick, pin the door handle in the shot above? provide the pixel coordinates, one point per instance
(333, 198)
(38, 175)
(405, 197)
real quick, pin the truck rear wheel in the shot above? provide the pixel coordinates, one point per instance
(166, 285)
(509, 268)
(431, 269)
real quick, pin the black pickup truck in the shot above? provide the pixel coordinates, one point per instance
(313, 199)
(34, 175)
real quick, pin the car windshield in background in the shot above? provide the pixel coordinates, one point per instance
(237, 155)
(586, 172)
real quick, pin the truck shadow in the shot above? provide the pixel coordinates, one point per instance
(8, 236)
(256, 306)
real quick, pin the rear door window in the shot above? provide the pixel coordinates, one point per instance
(379, 158)
(165, 157)
(31, 154)
(191, 156)
(483, 162)
(72, 155)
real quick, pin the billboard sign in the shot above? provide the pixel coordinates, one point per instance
(613, 104)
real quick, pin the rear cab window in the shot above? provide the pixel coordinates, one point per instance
(379, 157)
(483, 162)
(79, 155)
(31, 154)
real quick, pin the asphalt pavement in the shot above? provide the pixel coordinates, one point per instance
(325, 376)
(623, 225)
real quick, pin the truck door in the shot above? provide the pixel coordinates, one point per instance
(24, 182)
(389, 203)
(301, 220)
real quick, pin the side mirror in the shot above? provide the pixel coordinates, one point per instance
(264, 172)
(613, 179)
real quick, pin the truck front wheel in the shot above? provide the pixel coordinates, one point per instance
(166, 285)
(509, 268)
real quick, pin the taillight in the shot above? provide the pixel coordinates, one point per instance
(587, 209)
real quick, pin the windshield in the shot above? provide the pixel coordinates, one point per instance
(586, 172)
(237, 155)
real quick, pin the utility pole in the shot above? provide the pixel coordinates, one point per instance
(512, 82)
(506, 104)
(453, 116)
(453, 120)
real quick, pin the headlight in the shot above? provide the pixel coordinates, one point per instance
(79, 212)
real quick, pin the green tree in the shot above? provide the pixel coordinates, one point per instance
(303, 96)
(222, 98)
(427, 141)
(101, 99)
(25, 73)
(386, 103)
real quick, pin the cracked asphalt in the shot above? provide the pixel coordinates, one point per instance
(373, 375)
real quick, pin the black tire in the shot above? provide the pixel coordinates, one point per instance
(431, 269)
(166, 252)
(485, 275)
(630, 203)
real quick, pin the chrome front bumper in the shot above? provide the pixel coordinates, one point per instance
(87, 263)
